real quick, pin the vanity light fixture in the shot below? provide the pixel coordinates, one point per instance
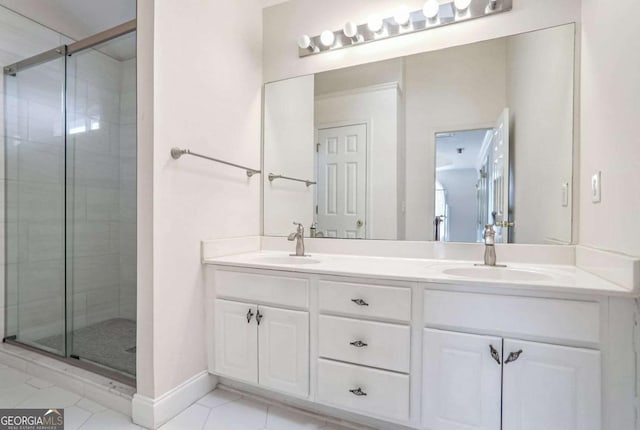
(434, 14)
(402, 17)
(431, 9)
(462, 5)
(305, 43)
(375, 24)
(327, 38)
(350, 30)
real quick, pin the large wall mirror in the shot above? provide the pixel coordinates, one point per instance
(431, 146)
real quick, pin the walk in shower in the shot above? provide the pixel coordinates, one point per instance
(70, 200)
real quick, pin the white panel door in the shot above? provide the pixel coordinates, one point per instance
(461, 381)
(550, 387)
(236, 340)
(341, 188)
(499, 176)
(284, 350)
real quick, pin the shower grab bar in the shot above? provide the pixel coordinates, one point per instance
(177, 153)
(307, 182)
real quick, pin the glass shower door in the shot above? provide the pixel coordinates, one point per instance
(35, 202)
(101, 204)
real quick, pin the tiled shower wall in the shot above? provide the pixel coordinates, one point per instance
(101, 202)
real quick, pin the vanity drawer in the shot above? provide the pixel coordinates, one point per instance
(393, 303)
(387, 393)
(564, 320)
(254, 288)
(388, 346)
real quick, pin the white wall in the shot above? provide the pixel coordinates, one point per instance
(377, 107)
(289, 150)
(610, 109)
(206, 73)
(284, 23)
(447, 90)
(540, 82)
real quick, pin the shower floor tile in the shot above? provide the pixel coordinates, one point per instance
(110, 343)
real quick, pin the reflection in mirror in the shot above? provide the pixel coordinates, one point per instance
(432, 146)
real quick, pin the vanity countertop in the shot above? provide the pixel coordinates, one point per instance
(540, 277)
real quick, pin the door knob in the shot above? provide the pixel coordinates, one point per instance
(359, 223)
(249, 315)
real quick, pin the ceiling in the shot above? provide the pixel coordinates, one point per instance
(447, 145)
(78, 19)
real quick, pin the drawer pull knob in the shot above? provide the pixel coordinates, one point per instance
(360, 302)
(494, 354)
(358, 392)
(513, 357)
(249, 316)
(259, 316)
(359, 344)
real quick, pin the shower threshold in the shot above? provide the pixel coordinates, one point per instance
(111, 341)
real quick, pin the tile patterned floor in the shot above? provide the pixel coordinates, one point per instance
(218, 410)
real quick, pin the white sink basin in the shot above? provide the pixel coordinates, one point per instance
(276, 259)
(497, 273)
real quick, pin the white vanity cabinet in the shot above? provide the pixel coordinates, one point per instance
(263, 344)
(364, 348)
(477, 381)
(550, 387)
(402, 354)
(461, 381)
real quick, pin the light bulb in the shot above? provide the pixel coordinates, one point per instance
(402, 16)
(431, 9)
(350, 30)
(327, 38)
(304, 42)
(375, 24)
(461, 5)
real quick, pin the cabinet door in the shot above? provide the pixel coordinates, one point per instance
(236, 340)
(461, 381)
(284, 350)
(550, 387)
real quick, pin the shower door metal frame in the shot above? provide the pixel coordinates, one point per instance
(72, 48)
(13, 70)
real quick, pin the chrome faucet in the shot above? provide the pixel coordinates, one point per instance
(489, 236)
(489, 245)
(298, 236)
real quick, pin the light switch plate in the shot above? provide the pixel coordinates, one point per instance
(596, 185)
(565, 194)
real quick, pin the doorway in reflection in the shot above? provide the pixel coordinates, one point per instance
(461, 184)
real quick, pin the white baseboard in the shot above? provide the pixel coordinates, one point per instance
(152, 413)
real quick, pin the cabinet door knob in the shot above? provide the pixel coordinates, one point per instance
(494, 354)
(249, 315)
(259, 316)
(358, 344)
(358, 392)
(513, 357)
(360, 302)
